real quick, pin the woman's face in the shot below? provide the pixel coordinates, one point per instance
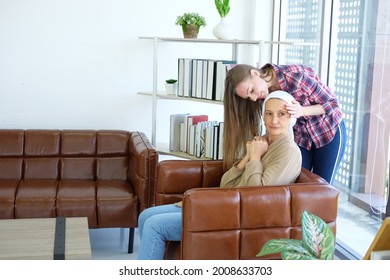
(253, 88)
(276, 117)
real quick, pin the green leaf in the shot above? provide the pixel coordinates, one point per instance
(317, 236)
(222, 6)
(277, 245)
(301, 254)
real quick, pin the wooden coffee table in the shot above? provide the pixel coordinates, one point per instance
(35, 238)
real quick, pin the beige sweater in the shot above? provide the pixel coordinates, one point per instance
(281, 164)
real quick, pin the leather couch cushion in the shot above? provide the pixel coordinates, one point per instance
(76, 198)
(42, 143)
(115, 199)
(11, 142)
(11, 168)
(7, 198)
(36, 199)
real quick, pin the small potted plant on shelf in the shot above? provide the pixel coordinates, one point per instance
(171, 87)
(190, 23)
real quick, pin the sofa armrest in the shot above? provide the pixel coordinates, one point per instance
(306, 176)
(143, 160)
(174, 177)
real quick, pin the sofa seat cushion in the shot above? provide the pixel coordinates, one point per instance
(36, 199)
(116, 202)
(77, 198)
(7, 198)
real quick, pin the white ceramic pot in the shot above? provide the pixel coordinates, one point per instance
(222, 30)
(171, 89)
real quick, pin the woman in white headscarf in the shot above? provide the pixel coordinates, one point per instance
(271, 159)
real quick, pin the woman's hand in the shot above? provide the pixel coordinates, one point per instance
(295, 109)
(258, 147)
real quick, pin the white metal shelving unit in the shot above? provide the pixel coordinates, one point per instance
(234, 44)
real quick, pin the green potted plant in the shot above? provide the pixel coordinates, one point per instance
(171, 87)
(190, 23)
(222, 30)
(317, 242)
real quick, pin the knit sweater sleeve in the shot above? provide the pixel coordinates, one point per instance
(231, 177)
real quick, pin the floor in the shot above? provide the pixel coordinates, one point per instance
(356, 227)
(112, 243)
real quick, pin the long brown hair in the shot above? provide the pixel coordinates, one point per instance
(241, 116)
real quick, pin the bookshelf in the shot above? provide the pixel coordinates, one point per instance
(155, 95)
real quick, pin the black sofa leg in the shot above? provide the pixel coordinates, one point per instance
(131, 240)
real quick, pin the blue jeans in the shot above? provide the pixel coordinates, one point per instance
(156, 225)
(326, 160)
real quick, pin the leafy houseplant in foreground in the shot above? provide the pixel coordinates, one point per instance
(317, 242)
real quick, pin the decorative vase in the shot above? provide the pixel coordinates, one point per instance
(190, 31)
(222, 30)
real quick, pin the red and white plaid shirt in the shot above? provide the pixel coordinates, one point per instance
(305, 86)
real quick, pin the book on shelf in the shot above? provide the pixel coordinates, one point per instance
(217, 141)
(185, 77)
(191, 139)
(174, 140)
(208, 139)
(209, 80)
(180, 77)
(221, 69)
(220, 141)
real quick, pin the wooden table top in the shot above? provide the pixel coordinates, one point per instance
(34, 238)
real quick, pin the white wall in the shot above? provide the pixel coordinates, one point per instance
(79, 63)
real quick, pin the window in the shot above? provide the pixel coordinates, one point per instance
(349, 46)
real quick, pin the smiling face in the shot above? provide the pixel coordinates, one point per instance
(276, 118)
(253, 88)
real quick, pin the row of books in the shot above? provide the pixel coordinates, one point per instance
(196, 136)
(203, 78)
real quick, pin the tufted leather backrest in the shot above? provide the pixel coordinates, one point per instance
(66, 154)
(177, 176)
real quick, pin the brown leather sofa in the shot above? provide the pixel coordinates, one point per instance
(236, 223)
(105, 175)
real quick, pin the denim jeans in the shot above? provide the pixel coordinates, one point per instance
(326, 160)
(156, 225)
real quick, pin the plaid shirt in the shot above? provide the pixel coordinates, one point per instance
(306, 87)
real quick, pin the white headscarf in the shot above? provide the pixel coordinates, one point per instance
(283, 95)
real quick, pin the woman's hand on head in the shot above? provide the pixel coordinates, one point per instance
(295, 109)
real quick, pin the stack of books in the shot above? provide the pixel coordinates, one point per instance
(203, 78)
(196, 136)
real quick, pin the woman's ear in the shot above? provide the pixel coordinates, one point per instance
(255, 72)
